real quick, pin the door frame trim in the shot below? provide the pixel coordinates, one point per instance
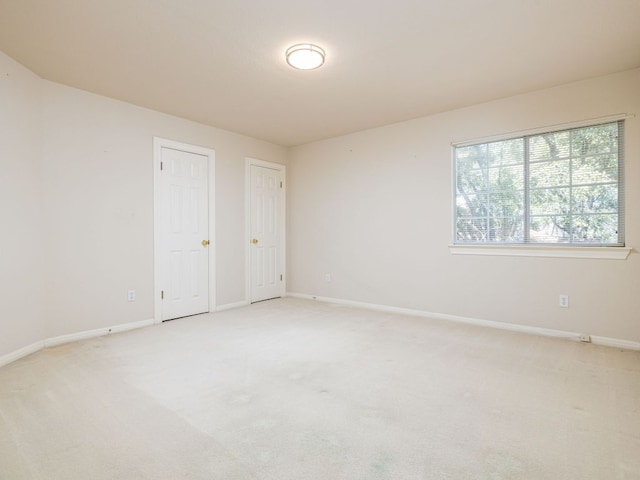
(158, 145)
(249, 162)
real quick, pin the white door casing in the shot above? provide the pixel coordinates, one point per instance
(184, 252)
(266, 222)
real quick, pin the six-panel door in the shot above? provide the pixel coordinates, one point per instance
(184, 219)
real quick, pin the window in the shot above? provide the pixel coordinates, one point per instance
(555, 188)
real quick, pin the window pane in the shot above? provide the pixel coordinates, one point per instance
(506, 204)
(471, 180)
(595, 199)
(506, 229)
(549, 146)
(595, 228)
(506, 178)
(550, 229)
(473, 157)
(549, 174)
(504, 153)
(595, 169)
(472, 205)
(550, 201)
(596, 139)
(472, 230)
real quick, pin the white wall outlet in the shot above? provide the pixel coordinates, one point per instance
(564, 301)
(585, 338)
(131, 296)
(327, 277)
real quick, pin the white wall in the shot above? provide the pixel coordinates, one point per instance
(98, 189)
(21, 236)
(374, 209)
(76, 203)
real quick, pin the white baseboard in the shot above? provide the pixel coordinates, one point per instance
(547, 332)
(229, 306)
(98, 332)
(18, 354)
(73, 337)
(615, 342)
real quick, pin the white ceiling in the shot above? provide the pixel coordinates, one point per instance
(221, 62)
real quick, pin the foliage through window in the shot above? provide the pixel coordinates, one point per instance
(562, 187)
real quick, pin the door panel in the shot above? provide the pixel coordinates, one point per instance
(184, 225)
(266, 234)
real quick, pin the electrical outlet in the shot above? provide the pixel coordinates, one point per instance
(564, 301)
(131, 296)
(327, 277)
(585, 338)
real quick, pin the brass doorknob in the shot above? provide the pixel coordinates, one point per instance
(205, 243)
(254, 241)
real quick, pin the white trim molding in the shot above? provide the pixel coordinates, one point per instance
(98, 332)
(608, 253)
(20, 353)
(615, 342)
(72, 337)
(546, 332)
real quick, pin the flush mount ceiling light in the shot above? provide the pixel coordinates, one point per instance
(305, 56)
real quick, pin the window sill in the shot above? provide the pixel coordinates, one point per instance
(609, 253)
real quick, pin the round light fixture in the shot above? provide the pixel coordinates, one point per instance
(305, 56)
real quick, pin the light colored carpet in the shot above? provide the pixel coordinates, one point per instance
(295, 389)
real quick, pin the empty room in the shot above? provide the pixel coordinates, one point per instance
(320, 240)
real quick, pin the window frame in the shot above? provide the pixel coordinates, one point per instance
(569, 250)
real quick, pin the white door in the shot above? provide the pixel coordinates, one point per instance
(267, 232)
(184, 232)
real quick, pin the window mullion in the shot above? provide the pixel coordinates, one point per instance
(489, 196)
(527, 209)
(571, 233)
